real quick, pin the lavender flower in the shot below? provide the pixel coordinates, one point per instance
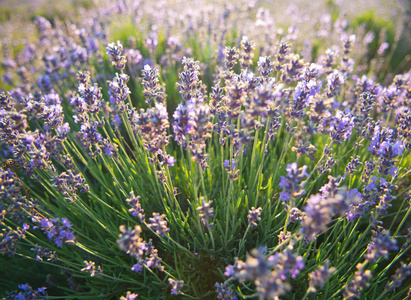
(206, 212)
(291, 184)
(198, 127)
(119, 91)
(237, 271)
(55, 231)
(10, 238)
(11, 192)
(246, 53)
(265, 66)
(69, 183)
(136, 209)
(152, 126)
(295, 215)
(131, 242)
(44, 253)
(381, 244)
(231, 170)
(181, 126)
(190, 85)
(358, 283)
(320, 209)
(334, 82)
(138, 267)
(176, 286)
(158, 224)
(152, 89)
(231, 56)
(301, 99)
(26, 292)
(352, 165)
(320, 276)
(283, 237)
(288, 263)
(254, 216)
(329, 60)
(91, 268)
(341, 127)
(90, 134)
(400, 274)
(224, 292)
(269, 282)
(115, 52)
(129, 296)
(154, 261)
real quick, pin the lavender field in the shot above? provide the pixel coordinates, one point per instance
(205, 149)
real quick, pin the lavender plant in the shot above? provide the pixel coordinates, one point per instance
(247, 164)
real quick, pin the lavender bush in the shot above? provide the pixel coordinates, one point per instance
(158, 151)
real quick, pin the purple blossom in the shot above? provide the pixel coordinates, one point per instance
(237, 270)
(90, 97)
(176, 286)
(152, 89)
(10, 238)
(44, 253)
(384, 146)
(231, 56)
(138, 267)
(384, 46)
(269, 282)
(355, 210)
(152, 126)
(119, 91)
(334, 82)
(55, 231)
(292, 184)
(206, 212)
(115, 52)
(68, 183)
(265, 66)
(90, 134)
(288, 263)
(301, 97)
(341, 127)
(154, 261)
(400, 275)
(254, 216)
(158, 224)
(130, 241)
(136, 209)
(91, 268)
(319, 276)
(381, 244)
(110, 149)
(320, 208)
(190, 85)
(129, 296)
(227, 166)
(283, 237)
(358, 283)
(224, 292)
(26, 292)
(63, 130)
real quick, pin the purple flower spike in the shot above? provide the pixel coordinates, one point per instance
(291, 184)
(129, 296)
(206, 212)
(254, 216)
(176, 286)
(158, 224)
